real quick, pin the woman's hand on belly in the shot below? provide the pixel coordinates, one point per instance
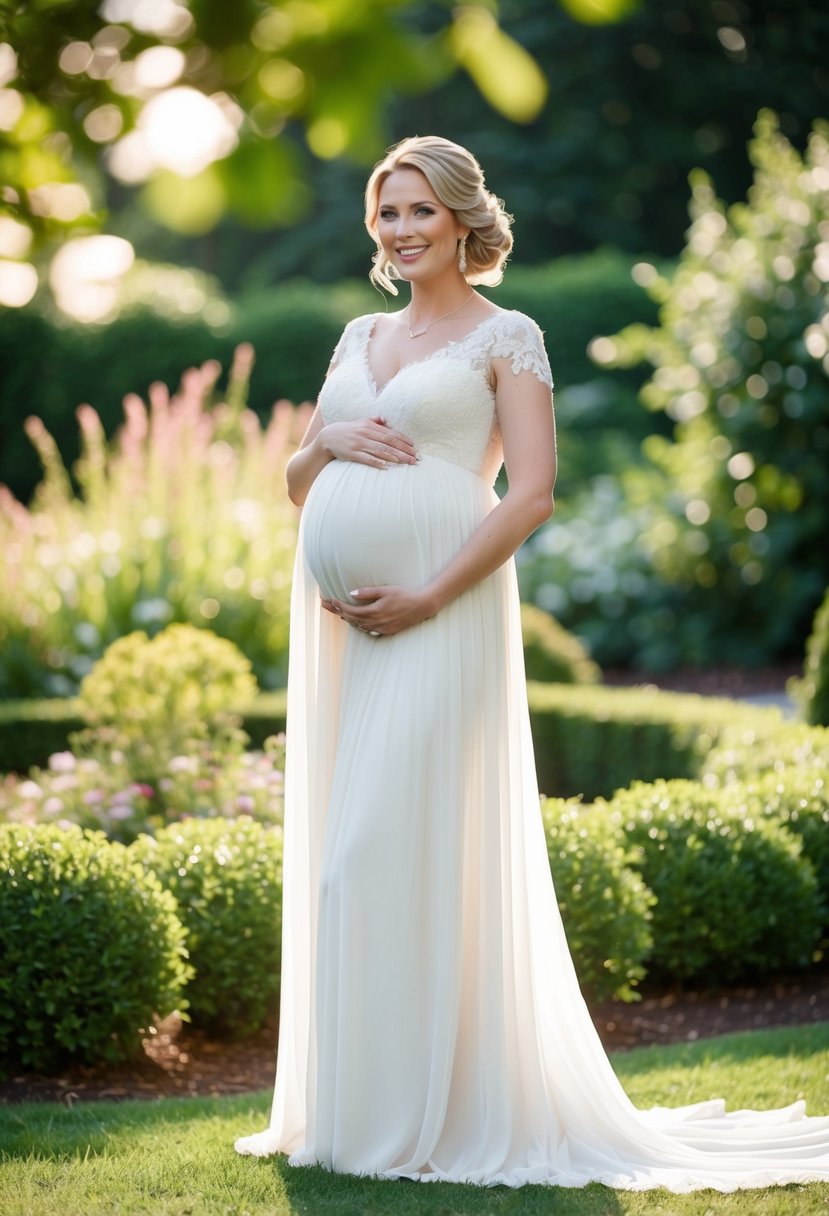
(383, 610)
(369, 441)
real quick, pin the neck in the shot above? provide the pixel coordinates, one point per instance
(430, 299)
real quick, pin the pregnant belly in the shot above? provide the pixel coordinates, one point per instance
(366, 527)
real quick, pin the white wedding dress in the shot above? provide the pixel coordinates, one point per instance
(431, 1023)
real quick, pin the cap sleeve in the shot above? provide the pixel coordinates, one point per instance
(353, 334)
(519, 339)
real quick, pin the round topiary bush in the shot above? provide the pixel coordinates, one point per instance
(152, 698)
(552, 654)
(735, 896)
(813, 690)
(226, 875)
(90, 948)
(799, 799)
(604, 902)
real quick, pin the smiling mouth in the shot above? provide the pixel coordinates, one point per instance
(412, 251)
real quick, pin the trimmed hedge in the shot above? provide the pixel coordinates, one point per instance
(594, 740)
(226, 877)
(54, 367)
(552, 653)
(589, 740)
(90, 948)
(813, 690)
(604, 903)
(32, 731)
(735, 895)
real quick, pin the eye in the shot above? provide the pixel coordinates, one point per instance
(387, 214)
(425, 211)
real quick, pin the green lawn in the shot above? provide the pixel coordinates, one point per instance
(175, 1157)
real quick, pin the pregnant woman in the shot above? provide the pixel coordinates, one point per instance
(431, 1023)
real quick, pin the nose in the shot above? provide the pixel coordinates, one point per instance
(403, 225)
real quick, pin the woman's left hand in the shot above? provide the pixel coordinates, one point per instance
(382, 610)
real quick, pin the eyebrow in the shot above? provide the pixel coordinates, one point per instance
(425, 202)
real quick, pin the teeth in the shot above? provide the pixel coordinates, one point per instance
(409, 252)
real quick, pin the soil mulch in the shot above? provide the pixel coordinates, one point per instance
(178, 1060)
(720, 681)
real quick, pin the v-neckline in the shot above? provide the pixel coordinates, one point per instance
(378, 390)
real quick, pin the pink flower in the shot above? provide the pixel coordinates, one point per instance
(62, 762)
(93, 797)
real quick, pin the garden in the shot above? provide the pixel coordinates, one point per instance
(147, 542)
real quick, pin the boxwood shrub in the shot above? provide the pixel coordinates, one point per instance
(226, 876)
(813, 690)
(736, 897)
(604, 903)
(747, 748)
(90, 948)
(799, 799)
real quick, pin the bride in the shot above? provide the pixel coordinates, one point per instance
(431, 1022)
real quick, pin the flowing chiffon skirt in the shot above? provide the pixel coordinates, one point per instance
(432, 1026)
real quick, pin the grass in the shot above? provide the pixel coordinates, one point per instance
(175, 1157)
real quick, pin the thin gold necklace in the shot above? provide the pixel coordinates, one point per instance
(420, 332)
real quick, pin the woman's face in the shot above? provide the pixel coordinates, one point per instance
(418, 234)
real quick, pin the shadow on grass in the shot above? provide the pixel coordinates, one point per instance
(315, 1190)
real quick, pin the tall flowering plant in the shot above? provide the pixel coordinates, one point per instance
(182, 516)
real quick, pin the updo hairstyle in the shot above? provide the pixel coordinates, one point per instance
(458, 182)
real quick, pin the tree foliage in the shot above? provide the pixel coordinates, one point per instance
(300, 94)
(741, 361)
(201, 102)
(632, 107)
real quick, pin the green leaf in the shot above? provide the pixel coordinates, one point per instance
(506, 74)
(600, 12)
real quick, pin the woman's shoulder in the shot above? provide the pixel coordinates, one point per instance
(356, 331)
(358, 324)
(511, 321)
(518, 338)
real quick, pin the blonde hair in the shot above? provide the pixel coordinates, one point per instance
(458, 182)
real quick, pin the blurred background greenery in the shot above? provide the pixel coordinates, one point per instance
(179, 178)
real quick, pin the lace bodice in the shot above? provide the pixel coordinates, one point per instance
(443, 402)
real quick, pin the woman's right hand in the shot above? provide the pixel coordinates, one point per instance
(369, 441)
